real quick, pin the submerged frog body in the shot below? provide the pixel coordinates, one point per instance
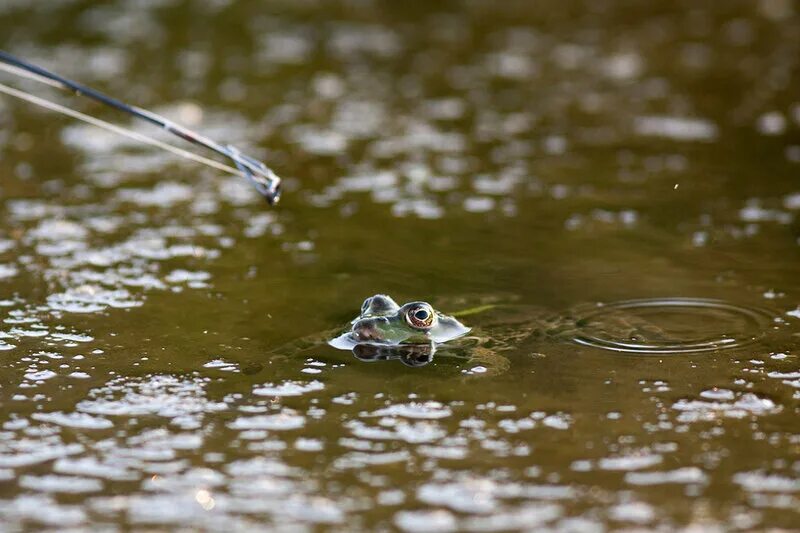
(414, 332)
(411, 333)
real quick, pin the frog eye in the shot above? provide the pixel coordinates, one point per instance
(420, 317)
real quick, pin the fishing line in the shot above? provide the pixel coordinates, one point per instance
(47, 104)
(266, 182)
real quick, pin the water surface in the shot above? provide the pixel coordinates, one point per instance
(550, 156)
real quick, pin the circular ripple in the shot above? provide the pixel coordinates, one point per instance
(670, 326)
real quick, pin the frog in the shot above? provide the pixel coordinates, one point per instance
(386, 330)
(411, 333)
(415, 332)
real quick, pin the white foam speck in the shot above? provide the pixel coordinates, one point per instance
(41, 454)
(717, 394)
(89, 466)
(309, 445)
(629, 462)
(676, 128)
(41, 375)
(74, 420)
(282, 421)
(288, 388)
(690, 474)
(426, 410)
(8, 271)
(54, 483)
(636, 512)
(438, 521)
(756, 481)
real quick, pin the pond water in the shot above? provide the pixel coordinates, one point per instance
(162, 363)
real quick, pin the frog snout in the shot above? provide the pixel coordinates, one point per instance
(366, 330)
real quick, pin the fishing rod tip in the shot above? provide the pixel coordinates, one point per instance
(273, 194)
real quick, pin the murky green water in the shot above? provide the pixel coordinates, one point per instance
(550, 155)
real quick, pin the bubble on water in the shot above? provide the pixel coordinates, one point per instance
(438, 521)
(288, 388)
(623, 66)
(90, 466)
(19, 332)
(745, 404)
(63, 484)
(258, 225)
(74, 420)
(8, 271)
(636, 512)
(500, 186)
(164, 509)
(717, 394)
(221, 364)
(91, 299)
(71, 337)
(58, 230)
(259, 466)
(423, 208)
(454, 453)
(27, 452)
(164, 194)
(511, 65)
(792, 201)
(758, 481)
(784, 375)
(526, 517)
(676, 128)
(557, 421)
(482, 496)
(515, 426)
(478, 204)
(42, 510)
(753, 212)
(309, 445)
(771, 123)
(286, 420)
(186, 481)
(181, 400)
(41, 375)
(687, 475)
(319, 141)
(183, 276)
(361, 460)
(630, 462)
(425, 410)
(412, 433)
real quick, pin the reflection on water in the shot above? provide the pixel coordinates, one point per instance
(155, 368)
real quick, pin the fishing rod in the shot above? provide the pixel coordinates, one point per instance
(266, 182)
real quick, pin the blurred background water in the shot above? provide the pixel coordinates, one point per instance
(549, 154)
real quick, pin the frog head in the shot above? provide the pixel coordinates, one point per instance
(383, 322)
